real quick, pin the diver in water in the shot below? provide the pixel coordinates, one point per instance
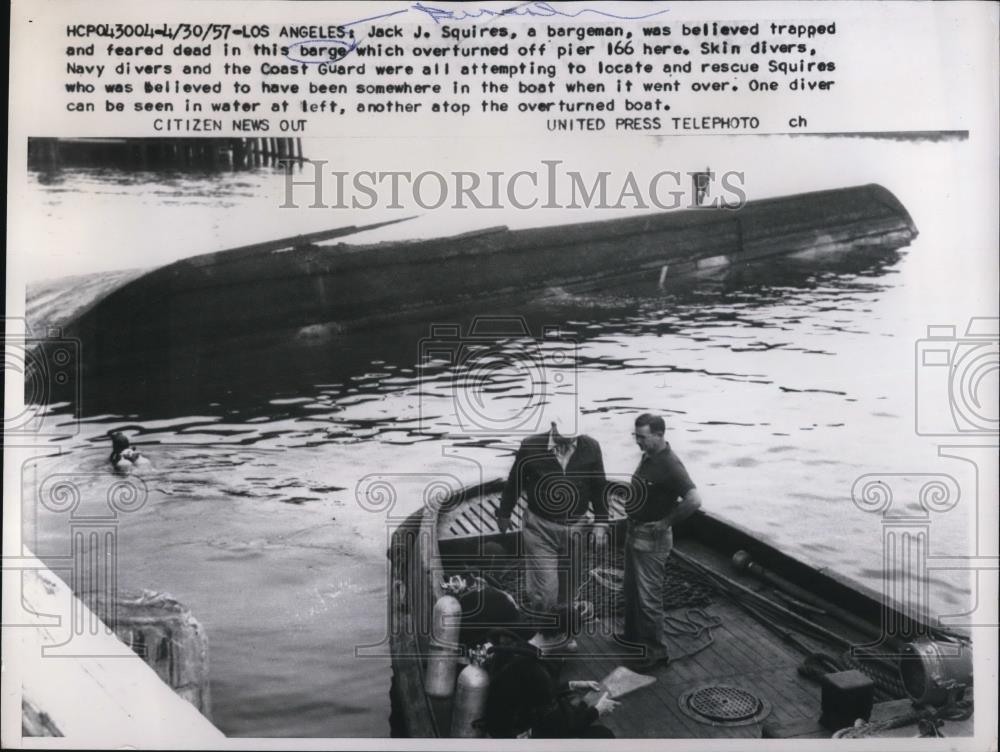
(124, 457)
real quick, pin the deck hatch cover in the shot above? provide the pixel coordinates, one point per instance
(723, 705)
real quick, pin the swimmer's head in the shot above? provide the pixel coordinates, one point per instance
(119, 441)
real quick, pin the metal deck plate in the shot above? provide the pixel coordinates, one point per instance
(723, 705)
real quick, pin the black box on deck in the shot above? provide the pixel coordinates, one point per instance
(847, 695)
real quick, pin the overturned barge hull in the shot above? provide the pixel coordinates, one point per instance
(282, 286)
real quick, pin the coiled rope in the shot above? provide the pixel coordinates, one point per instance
(601, 595)
(603, 590)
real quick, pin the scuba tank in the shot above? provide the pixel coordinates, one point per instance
(442, 661)
(470, 698)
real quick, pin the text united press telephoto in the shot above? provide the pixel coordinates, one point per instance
(394, 373)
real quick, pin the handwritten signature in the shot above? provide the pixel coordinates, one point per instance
(532, 9)
(343, 48)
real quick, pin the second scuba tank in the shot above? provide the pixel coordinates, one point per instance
(442, 661)
(470, 698)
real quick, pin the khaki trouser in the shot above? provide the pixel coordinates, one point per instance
(552, 563)
(647, 547)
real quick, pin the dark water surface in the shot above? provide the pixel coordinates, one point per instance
(780, 386)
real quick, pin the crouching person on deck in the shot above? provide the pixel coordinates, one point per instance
(561, 472)
(663, 495)
(527, 700)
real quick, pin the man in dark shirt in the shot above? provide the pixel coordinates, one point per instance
(562, 476)
(662, 496)
(527, 699)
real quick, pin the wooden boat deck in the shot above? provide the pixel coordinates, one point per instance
(743, 653)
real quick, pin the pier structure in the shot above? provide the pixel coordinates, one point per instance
(88, 685)
(162, 153)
